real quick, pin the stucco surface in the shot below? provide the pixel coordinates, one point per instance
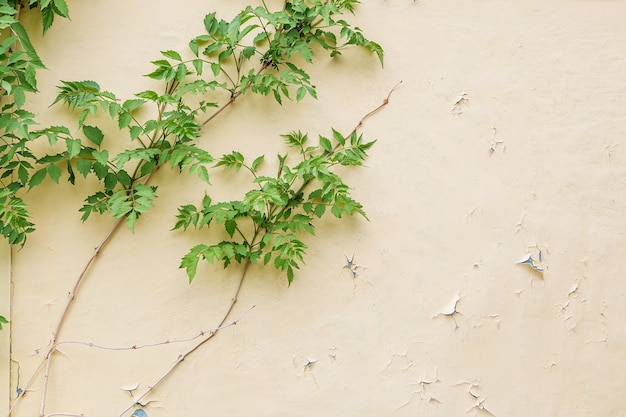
(503, 140)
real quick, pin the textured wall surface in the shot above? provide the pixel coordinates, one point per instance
(504, 140)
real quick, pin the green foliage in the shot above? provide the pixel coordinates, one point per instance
(3, 321)
(48, 9)
(266, 224)
(169, 139)
(276, 39)
(254, 52)
(19, 64)
(14, 218)
(258, 51)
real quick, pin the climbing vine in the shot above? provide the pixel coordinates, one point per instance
(259, 51)
(19, 64)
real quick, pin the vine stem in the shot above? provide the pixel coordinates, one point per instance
(221, 109)
(194, 348)
(154, 344)
(383, 104)
(52, 344)
(247, 263)
(232, 98)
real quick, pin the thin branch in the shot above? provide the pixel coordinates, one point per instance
(233, 97)
(148, 345)
(307, 182)
(45, 384)
(221, 109)
(26, 387)
(183, 356)
(82, 275)
(66, 414)
(53, 341)
(72, 295)
(383, 104)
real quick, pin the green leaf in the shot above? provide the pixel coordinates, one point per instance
(339, 137)
(211, 23)
(181, 72)
(336, 210)
(37, 178)
(130, 220)
(133, 104)
(124, 120)
(22, 174)
(61, 8)
(29, 76)
(6, 21)
(94, 134)
(47, 18)
(203, 174)
(110, 181)
(101, 156)
(18, 96)
(135, 131)
(123, 178)
(232, 160)
(325, 144)
(224, 54)
(100, 170)
(198, 65)
(3, 321)
(27, 45)
(172, 55)
(320, 209)
(248, 51)
(73, 147)
(83, 166)
(257, 162)
(190, 260)
(148, 95)
(290, 274)
(54, 172)
(300, 93)
(230, 226)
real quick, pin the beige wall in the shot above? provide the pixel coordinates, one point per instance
(543, 84)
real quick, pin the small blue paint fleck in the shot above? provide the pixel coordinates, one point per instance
(139, 413)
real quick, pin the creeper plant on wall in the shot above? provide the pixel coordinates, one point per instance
(19, 64)
(256, 52)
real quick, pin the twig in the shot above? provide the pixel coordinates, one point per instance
(183, 356)
(233, 97)
(147, 345)
(45, 383)
(383, 104)
(53, 341)
(26, 387)
(221, 109)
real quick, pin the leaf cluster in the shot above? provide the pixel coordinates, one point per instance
(266, 224)
(19, 63)
(168, 139)
(275, 39)
(271, 40)
(258, 51)
(48, 9)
